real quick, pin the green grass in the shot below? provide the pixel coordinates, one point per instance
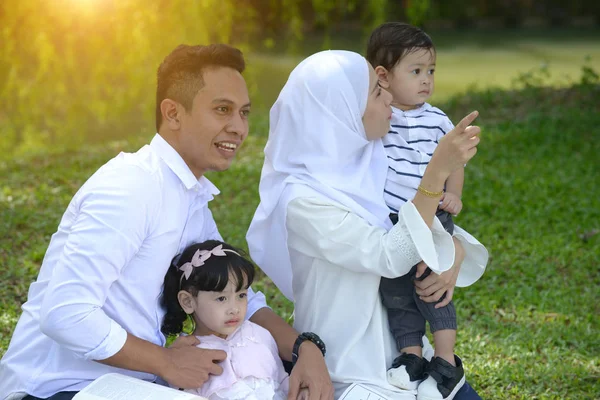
(528, 329)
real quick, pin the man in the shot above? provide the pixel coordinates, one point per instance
(95, 308)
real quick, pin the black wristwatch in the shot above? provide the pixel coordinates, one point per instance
(313, 337)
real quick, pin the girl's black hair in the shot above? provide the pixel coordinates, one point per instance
(391, 41)
(213, 276)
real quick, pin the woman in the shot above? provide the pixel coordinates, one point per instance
(322, 232)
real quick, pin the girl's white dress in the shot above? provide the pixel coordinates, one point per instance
(252, 369)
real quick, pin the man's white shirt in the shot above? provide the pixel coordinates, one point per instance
(103, 272)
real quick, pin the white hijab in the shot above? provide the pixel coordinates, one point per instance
(317, 147)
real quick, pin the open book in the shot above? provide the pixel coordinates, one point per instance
(123, 387)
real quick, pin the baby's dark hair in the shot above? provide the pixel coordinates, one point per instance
(392, 41)
(212, 276)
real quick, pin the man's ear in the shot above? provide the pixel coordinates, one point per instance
(186, 301)
(382, 75)
(170, 110)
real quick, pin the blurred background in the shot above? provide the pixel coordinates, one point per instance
(77, 86)
(74, 71)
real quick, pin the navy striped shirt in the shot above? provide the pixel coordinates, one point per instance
(412, 139)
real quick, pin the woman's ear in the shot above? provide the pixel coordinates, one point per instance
(383, 76)
(186, 301)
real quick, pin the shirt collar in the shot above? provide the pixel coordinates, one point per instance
(414, 112)
(174, 161)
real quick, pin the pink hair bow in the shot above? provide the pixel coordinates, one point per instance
(200, 256)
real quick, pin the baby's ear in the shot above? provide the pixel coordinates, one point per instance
(382, 75)
(186, 301)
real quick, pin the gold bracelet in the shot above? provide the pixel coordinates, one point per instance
(428, 193)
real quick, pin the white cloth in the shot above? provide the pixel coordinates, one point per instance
(338, 260)
(103, 272)
(412, 139)
(252, 369)
(317, 146)
(250, 388)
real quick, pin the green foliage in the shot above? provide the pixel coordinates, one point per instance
(541, 76)
(536, 77)
(75, 70)
(511, 13)
(417, 11)
(589, 76)
(376, 14)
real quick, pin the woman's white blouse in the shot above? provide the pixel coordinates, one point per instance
(338, 260)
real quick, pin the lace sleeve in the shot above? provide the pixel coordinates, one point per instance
(434, 245)
(402, 241)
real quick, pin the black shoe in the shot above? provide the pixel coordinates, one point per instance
(443, 379)
(407, 371)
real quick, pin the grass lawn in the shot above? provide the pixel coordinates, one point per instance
(529, 329)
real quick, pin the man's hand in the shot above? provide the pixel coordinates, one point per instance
(451, 203)
(433, 288)
(189, 367)
(303, 395)
(310, 372)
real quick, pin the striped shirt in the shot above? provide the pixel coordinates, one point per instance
(412, 139)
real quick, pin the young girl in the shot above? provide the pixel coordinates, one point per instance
(209, 282)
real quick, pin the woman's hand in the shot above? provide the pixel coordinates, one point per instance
(310, 372)
(433, 288)
(457, 147)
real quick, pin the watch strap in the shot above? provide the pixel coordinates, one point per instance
(310, 336)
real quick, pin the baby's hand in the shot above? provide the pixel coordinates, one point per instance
(451, 203)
